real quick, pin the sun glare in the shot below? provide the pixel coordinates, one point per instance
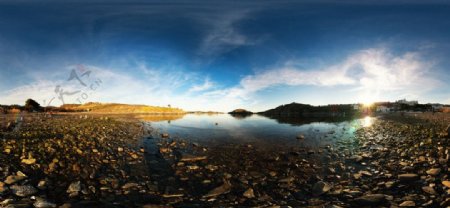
(368, 121)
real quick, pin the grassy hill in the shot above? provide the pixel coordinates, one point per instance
(120, 108)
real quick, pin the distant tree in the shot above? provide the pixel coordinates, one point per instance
(32, 105)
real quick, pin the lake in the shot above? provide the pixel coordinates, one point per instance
(257, 130)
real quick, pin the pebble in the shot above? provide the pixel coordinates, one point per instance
(429, 190)
(446, 183)
(29, 161)
(434, 171)
(407, 204)
(249, 193)
(3, 188)
(14, 179)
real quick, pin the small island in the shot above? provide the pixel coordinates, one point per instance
(240, 111)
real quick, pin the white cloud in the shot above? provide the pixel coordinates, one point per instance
(203, 87)
(372, 75)
(223, 35)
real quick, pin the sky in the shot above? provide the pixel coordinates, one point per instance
(222, 55)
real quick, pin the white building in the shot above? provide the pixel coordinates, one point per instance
(383, 109)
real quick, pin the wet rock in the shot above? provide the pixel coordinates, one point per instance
(408, 177)
(249, 193)
(3, 188)
(74, 188)
(29, 161)
(223, 189)
(429, 190)
(320, 188)
(407, 204)
(370, 200)
(42, 185)
(129, 185)
(22, 191)
(192, 158)
(446, 183)
(300, 136)
(42, 203)
(165, 135)
(14, 179)
(434, 171)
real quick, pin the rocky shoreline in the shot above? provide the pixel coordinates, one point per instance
(71, 161)
(79, 161)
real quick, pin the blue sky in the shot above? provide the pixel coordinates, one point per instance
(224, 55)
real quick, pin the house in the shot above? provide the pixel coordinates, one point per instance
(383, 109)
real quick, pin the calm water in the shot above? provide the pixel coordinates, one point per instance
(257, 130)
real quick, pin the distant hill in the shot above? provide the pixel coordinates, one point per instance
(304, 110)
(120, 108)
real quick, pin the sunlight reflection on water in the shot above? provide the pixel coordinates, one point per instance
(368, 121)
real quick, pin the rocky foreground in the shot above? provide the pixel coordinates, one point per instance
(74, 161)
(70, 161)
(399, 161)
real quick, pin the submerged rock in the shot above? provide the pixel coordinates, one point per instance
(42, 203)
(223, 189)
(370, 199)
(320, 188)
(408, 177)
(23, 191)
(74, 188)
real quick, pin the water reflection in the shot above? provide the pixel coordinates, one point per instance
(259, 130)
(159, 117)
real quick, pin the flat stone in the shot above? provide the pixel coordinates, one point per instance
(408, 177)
(407, 204)
(223, 189)
(434, 171)
(192, 158)
(371, 199)
(129, 185)
(30, 161)
(320, 188)
(446, 183)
